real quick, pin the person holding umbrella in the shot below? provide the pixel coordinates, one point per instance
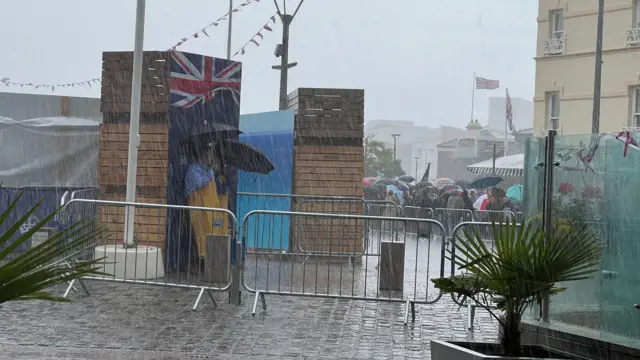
(206, 186)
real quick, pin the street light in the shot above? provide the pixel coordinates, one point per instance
(395, 136)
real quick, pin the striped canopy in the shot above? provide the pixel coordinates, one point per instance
(512, 165)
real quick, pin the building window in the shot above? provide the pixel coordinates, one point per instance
(635, 106)
(555, 44)
(553, 110)
(557, 24)
(636, 14)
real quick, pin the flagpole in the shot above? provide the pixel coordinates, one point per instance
(506, 120)
(229, 30)
(473, 94)
(134, 123)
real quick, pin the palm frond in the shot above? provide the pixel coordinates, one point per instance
(525, 263)
(26, 276)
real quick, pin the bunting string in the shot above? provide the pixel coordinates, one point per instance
(255, 39)
(84, 84)
(215, 23)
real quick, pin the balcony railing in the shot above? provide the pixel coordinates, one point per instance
(555, 45)
(633, 36)
(545, 132)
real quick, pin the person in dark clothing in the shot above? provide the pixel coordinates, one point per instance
(498, 200)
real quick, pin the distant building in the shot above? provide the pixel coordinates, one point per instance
(565, 62)
(413, 142)
(522, 113)
(19, 106)
(474, 146)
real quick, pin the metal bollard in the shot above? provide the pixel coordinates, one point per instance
(235, 294)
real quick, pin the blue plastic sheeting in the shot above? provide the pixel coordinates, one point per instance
(273, 235)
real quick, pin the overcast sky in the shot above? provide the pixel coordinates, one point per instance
(414, 58)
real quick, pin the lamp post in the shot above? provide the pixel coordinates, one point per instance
(395, 138)
(282, 51)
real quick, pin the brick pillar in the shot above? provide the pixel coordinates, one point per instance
(117, 72)
(328, 161)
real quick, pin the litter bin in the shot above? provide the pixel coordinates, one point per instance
(392, 265)
(217, 259)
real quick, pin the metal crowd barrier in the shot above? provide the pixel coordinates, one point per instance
(282, 202)
(414, 212)
(383, 209)
(398, 271)
(450, 218)
(485, 230)
(356, 206)
(493, 216)
(147, 265)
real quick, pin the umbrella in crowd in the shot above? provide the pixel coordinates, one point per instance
(485, 181)
(386, 181)
(514, 193)
(407, 178)
(449, 187)
(443, 181)
(366, 182)
(464, 184)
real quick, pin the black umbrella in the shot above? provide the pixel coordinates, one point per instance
(243, 156)
(407, 178)
(206, 133)
(463, 184)
(485, 181)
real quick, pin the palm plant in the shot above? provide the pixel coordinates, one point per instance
(523, 268)
(26, 276)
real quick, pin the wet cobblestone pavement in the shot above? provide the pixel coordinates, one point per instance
(122, 321)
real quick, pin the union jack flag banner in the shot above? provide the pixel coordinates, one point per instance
(486, 84)
(197, 78)
(510, 113)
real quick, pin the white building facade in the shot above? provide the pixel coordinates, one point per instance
(565, 66)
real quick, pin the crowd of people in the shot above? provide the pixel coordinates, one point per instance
(425, 195)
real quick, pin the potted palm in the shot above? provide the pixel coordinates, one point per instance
(525, 265)
(26, 275)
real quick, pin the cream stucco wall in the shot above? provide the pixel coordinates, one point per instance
(572, 74)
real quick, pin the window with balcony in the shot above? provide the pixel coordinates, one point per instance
(555, 44)
(553, 110)
(635, 106)
(633, 34)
